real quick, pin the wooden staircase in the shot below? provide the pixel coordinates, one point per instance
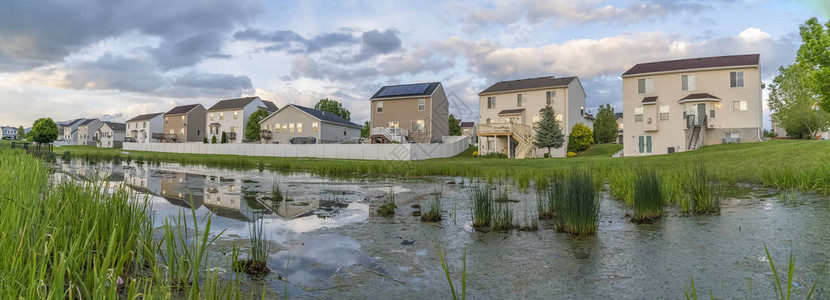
(693, 138)
(522, 134)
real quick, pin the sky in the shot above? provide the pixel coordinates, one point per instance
(117, 59)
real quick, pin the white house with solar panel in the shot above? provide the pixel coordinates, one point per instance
(409, 113)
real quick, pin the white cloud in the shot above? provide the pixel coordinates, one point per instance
(753, 35)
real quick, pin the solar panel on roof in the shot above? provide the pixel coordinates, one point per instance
(411, 89)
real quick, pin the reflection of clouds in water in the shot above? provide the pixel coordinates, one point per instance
(317, 257)
(355, 212)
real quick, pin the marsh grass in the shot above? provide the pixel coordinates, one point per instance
(67, 156)
(257, 262)
(387, 209)
(482, 200)
(276, 192)
(703, 193)
(550, 199)
(648, 198)
(455, 296)
(83, 240)
(621, 185)
(502, 217)
(433, 208)
(580, 208)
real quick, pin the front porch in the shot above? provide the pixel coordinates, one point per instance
(515, 140)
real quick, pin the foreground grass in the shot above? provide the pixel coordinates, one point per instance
(76, 240)
(786, 164)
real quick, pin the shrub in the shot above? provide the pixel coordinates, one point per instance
(475, 153)
(582, 137)
(494, 155)
(571, 154)
(213, 140)
(224, 138)
(205, 140)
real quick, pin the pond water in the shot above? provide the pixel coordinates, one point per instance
(338, 247)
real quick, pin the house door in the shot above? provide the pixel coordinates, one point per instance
(701, 113)
(645, 144)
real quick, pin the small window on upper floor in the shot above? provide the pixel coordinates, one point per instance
(645, 86)
(739, 106)
(520, 101)
(664, 113)
(491, 102)
(422, 104)
(736, 79)
(550, 98)
(638, 114)
(688, 82)
(379, 107)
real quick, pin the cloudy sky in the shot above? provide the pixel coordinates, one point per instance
(117, 59)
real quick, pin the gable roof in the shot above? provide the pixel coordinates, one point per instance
(512, 111)
(145, 117)
(317, 114)
(406, 90)
(467, 124)
(527, 84)
(618, 115)
(699, 97)
(650, 100)
(116, 126)
(270, 106)
(237, 103)
(73, 122)
(178, 110)
(694, 63)
(87, 121)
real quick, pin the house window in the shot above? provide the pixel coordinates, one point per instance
(285, 127)
(491, 102)
(198, 132)
(688, 82)
(644, 144)
(491, 144)
(417, 125)
(145, 124)
(422, 104)
(559, 118)
(291, 127)
(638, 114)
(664, 113)
(299, 127)
(181, 130)
(520, 101)
(165, 120)
(172, 131)
(736, 79)
(393, 124)
(211, 116)
(380, 107)
(314, 126)
(739, 105)
(221, 115)
(550, 98)
(488, 121)
(233, 128)
(184, 119)
(645, 86)
(236, 115)
(711, 113)
(732, 135)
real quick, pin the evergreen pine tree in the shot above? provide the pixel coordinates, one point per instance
(548, 131)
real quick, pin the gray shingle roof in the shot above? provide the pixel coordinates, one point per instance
(270, 106)
(144, 117)
(237, 103)
(618, 115)
(467, 124)
(87, 121)
(325, 116)
(117, 126)
(694, 63)
(527, 84)
(178, 110)
(431, 86)
(512, 111)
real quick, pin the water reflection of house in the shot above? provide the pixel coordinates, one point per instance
(224, 197)
(174, 189)
(143, 180)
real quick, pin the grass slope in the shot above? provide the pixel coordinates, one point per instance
(601, 150)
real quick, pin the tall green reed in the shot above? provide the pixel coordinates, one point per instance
(648, 197)
(580, 210)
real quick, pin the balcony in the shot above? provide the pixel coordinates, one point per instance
(695, 121)
(391, 134)
(231, 135)
(265, 134)
(96, 138)
(496, 129)
(165, 137)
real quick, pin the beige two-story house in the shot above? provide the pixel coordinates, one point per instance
(231, 116)
(405, 113)
(183, 124)
(86, 132)
(508, 111)
(680, 105)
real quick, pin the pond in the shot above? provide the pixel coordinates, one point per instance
(336, 246)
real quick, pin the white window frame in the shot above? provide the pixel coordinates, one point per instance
(299, 127)
(638, 114)
(491, 102)
(520, 101)
(422, 104)
(647, 86)
(417, 126)
(736, 79)
(742, 105)
(687, 82)
(664, 113)
(315, 126)
(550, 98)
(379, 107)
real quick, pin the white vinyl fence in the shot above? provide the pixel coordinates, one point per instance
(451, 147)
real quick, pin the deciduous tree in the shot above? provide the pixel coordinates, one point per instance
(455, 125)
(44, 131)
(794, 104)
(605, 126)
(252, 127)
(332, 106)
(581, 137)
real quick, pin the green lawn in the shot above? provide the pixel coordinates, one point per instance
(601, 150)
(761, 162)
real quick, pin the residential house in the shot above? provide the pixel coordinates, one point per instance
(294, 124)
(410, 113)
(110, 135)
(230, 117)
(70, 131)
(9, 132)
(508, 111)
(183, 124)
(86, 131)
(619, 117)
(680, 105)
(177, 194)
(468, 128)
(141, 128)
